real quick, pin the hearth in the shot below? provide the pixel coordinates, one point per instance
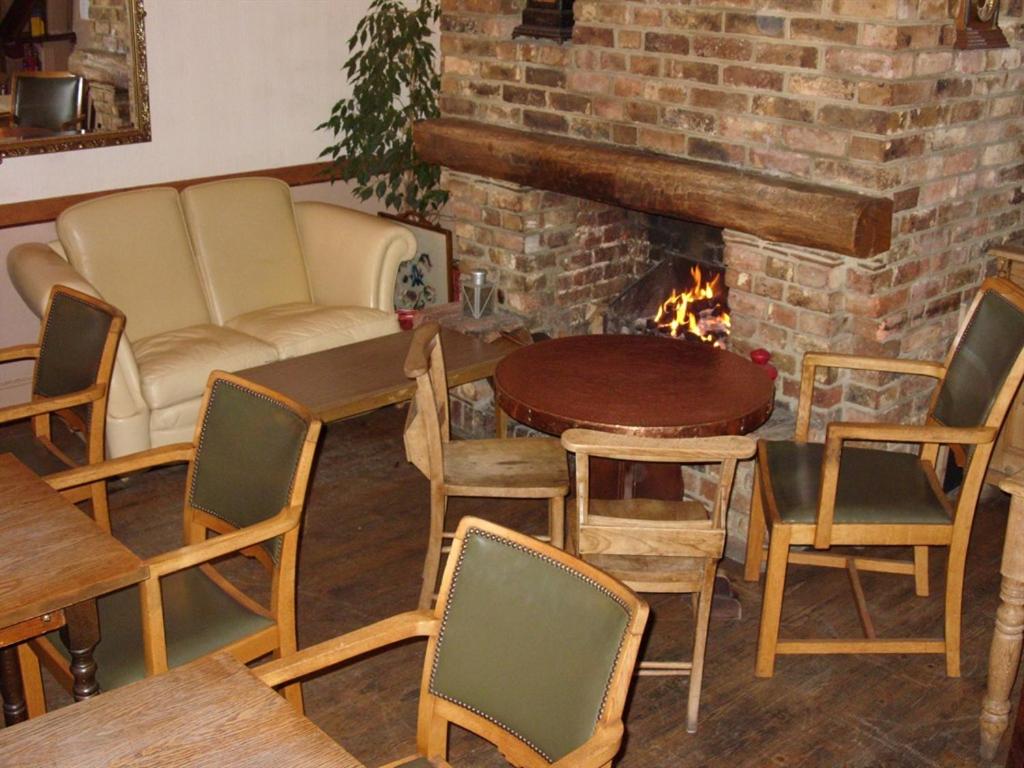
(683, 294)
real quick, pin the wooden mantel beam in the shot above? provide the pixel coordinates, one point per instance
(773, 208)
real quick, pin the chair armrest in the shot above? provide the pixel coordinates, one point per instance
(196, 554)
(20, 352)
(909, 433)
(51, 404)
(813, 360)
(633, 448)
(351, 257)
(888, 433)
(344, 647)
(599, 749)
(167, 454)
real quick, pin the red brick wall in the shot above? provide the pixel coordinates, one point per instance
(859, 94)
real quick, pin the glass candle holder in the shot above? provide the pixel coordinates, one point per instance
(477, 294)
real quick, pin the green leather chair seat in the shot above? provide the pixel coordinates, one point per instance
(31, 453)
(874, 486)
(199, 618)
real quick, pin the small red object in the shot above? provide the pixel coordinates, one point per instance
(772, 371)
(761, 357)
(405, 318)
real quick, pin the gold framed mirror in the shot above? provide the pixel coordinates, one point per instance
(86, 61)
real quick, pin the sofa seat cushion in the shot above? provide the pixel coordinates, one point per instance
(174, 366)
(298, 329)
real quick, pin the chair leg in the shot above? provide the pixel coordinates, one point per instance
(700, 642)
(556, 521)
(771, 606)
(32, 680)
(921, 571)
(432, 563)
(100, 508)
(954, 600)
(755, 532)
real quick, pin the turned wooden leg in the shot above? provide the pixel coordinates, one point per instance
(81, 634)
(1004, 655)
(755, 532)
(15, 708)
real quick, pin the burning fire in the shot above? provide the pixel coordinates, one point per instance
(700, 311)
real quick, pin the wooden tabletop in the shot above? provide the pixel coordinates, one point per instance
(346, 381)
(53, 555)
(642, 385)
(212, 713)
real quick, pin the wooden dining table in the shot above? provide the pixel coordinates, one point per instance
(54, 563)
(210, 713)
(653, 386)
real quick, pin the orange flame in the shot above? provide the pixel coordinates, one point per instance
(677, 315)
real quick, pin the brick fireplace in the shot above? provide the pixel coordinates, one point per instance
(857, 96)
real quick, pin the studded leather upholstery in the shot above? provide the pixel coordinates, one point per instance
(527, 644)
(71, 347)
(247, 456)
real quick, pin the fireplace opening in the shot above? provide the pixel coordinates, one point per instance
(683, 293)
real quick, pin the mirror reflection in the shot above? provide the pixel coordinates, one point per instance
(72, 75)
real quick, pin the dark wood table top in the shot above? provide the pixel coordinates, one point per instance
(53, 555)
(641, 385)
(211, 713)
(346, 381)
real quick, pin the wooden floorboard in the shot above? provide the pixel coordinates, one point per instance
(360, 561)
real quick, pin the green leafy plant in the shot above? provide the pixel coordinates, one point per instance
(394, 80)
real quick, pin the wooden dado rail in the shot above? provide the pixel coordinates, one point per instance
(776, 209)
(48, 208)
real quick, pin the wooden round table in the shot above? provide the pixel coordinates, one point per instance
(640, 385)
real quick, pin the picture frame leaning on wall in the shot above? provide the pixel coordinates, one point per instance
(427, 279)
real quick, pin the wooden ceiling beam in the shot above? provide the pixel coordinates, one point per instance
(774, 208)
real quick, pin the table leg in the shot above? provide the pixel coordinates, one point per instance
(80, 635)
(15, 708)
(1004, 655)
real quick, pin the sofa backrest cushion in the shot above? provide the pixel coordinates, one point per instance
(134, 248)
(246, 244)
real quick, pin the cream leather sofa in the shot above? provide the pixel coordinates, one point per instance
(227, 275)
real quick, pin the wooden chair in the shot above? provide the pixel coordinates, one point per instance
(248, 469)
(533, 468)
(653, 545)
(74, 359)
(527, 647)
(51, 100)
(809, 494)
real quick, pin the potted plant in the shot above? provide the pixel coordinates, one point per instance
(392, 69)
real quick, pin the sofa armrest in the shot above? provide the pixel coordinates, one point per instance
(34, 269)
(351, 257)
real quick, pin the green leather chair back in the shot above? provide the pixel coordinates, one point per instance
(54, 103)
(247, 457)
(981, 362)
(71, 348)
(527, 643)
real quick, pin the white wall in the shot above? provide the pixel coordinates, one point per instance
(235, 85)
